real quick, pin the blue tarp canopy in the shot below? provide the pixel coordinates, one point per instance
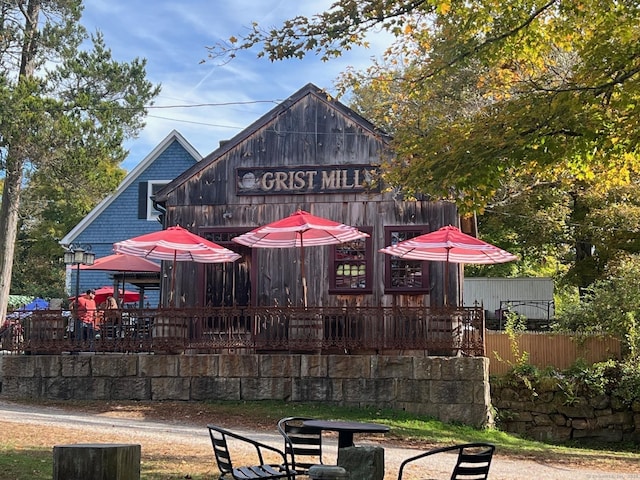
(36, 304)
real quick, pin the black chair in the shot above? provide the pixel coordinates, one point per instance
(474, 460)
(302, 445)
(221, 438)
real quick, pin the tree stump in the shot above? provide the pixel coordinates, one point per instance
(96, 461)
(362, 463)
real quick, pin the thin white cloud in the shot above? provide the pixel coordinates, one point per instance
(172, 36)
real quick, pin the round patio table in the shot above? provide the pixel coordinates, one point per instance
(346, 429)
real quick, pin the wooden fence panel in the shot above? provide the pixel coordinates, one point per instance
(548, 349)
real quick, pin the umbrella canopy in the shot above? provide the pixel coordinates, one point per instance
(36, 304)
(123, 263)
(299, 230)
(448, 244)
(178, 245)
(25, 310)
(103, 293)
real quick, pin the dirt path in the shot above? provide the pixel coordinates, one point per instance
(189, 436)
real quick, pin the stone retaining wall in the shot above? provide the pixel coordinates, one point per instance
(447, 388)
(550, 416)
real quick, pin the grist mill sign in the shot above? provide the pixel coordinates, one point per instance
(293, 180)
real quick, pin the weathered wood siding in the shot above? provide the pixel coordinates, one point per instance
(308, 130)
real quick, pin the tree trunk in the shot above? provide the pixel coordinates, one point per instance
(15, 165)
(9, 227)
(584, 266)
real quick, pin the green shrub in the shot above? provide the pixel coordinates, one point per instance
(628, 387)
(521, 371)
(610, 306)
(619, 380)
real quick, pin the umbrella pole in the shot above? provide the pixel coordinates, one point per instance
(446, 284)
(446, 280)
(304, 278)
(124, 282)
(172, 302)
(116, 288)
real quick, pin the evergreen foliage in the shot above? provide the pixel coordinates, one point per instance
(67, 107)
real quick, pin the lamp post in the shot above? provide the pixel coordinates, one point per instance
(78, 255)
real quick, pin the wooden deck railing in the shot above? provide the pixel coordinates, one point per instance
(450, 331)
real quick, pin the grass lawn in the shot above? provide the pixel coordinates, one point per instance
(26, 450)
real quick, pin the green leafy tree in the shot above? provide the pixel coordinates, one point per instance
(67, 107)
(535, 228)
(494, 101)
(611, 306)
(51, 206)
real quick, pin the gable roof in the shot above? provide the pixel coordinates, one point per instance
(174, 135)
(309, 89)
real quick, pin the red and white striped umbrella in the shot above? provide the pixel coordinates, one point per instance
(300, 229)
(175, 244)
(122, 263)
(450, 245)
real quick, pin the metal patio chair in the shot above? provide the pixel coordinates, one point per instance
(222, 439)
(473, 462)
(302, 445)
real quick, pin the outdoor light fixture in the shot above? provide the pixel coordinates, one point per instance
(78, 255)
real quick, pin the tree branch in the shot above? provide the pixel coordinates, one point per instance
(329, 33)
(490, 41)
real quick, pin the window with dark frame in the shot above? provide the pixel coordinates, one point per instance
(402, 275)
(350, 266)
(147, 190)
(222, 285)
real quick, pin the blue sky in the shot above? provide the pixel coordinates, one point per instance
(172, 36)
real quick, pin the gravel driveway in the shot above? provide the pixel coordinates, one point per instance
(502, 468)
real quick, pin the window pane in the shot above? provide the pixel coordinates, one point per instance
(221, 237)
(350, 264)
(154, 186)
(404, 274)
(349, 267)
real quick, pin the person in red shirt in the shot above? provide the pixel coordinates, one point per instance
(86, 313)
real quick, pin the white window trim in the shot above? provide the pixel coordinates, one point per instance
(152, 213)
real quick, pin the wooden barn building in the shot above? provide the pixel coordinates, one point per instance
(315, 154)
(309, 153)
